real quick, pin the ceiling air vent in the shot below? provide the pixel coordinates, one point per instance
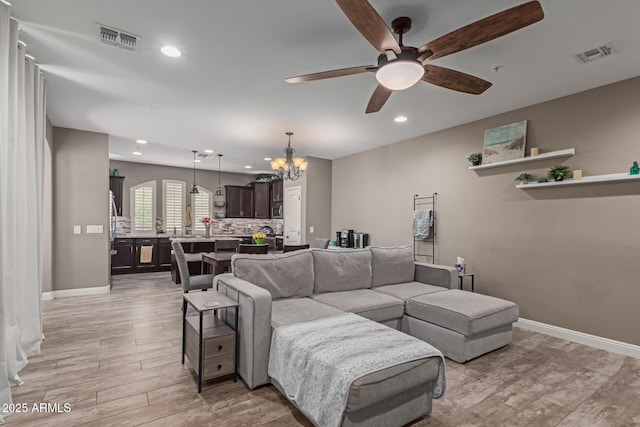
(593, 54)
(205, 156)
(114, 37)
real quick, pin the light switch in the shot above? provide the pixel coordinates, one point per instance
(94, 229)
(77, 229)
(312, 229)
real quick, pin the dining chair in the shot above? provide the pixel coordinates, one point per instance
(291, 248)
(320, 243)
(244, 248)
(189, 283)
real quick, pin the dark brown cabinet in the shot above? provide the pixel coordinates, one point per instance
(116, 185)
(277, 191)
(130, 256)
(262, 200)
(239, 201)
(122, 261)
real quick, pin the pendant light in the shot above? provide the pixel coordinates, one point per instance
(194, 187)
(219, 190)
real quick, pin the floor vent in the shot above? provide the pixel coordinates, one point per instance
(594, 54)
(117, 38)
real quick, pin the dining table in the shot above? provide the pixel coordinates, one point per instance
(218, 262)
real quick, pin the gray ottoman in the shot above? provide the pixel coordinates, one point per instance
(462, 325)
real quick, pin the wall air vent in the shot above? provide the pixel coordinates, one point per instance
(594, 54)
(114, 37)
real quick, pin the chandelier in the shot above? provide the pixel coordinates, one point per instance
(194, 187)
(290, 167)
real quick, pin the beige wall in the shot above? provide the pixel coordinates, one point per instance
(137, 173)
(80, 197)
(568, 256)
(47, 211)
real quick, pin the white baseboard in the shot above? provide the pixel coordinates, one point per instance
(580, 337)
(64, 293)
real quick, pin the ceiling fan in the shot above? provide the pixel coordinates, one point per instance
(400, 67)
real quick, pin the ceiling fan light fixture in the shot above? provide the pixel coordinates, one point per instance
(400, 74)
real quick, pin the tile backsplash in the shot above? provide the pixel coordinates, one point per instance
(242, 226)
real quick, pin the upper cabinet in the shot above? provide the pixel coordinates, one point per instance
(262, 200)
(116, 185)
(277, 191)
(239, 201)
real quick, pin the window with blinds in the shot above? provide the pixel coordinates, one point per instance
(202, 203)
(143, 206)
(173, 199)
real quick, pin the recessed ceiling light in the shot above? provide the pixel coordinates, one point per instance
(141, 141)
(400, 119)
(137, 153)
(268, 159)
(247, 167)
(196, 161)
(171, 51)
(208, 151)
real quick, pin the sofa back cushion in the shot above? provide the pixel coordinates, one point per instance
(287, 275)
(341, 270)
(392, 265)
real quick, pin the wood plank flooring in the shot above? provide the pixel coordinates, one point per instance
(116, 360)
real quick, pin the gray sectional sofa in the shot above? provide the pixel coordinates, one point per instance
(381, 284)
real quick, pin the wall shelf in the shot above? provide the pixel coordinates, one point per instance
(614, 177)
(544, 156)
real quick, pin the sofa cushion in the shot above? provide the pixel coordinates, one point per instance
(287, 275)
(392, 265)
(380, 385)
(365, 302)
(295, 310)
(461, 311)
(337, 270)
(404, 291)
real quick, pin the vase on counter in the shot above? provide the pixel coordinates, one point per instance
(207, 231)
(258, 241)
(635, 169)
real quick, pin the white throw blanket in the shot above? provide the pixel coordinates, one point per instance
(316, 362)
(422, 223)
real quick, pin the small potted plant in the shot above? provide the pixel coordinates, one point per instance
(560, 172)
(524, 178)
(258, 238)
(475, 158)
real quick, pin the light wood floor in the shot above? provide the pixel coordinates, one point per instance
(116, 360)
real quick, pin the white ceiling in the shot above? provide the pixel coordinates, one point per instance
(227, 91)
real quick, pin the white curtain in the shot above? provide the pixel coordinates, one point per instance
(22, 133)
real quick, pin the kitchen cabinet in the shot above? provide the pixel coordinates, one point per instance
(128, 251)
(122, 261)
(164, 255)
(116, 185)
(239, 201)
(277, 191)
(262, 200)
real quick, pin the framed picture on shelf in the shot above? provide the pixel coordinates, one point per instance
(504, 143)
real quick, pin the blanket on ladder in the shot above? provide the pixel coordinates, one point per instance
(316, 362)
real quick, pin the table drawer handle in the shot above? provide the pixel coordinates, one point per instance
(219, 367)
(219, 348)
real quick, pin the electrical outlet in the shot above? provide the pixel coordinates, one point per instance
(77, 229)
(95, 229)
(312, 229)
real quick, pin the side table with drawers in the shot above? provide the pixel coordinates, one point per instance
(208, 342)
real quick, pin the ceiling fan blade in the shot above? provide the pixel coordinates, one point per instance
(455, 80)
(366, 20)
(485, 30)
(379, 97)
(330, 74)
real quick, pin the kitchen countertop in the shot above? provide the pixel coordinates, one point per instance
(188, 238)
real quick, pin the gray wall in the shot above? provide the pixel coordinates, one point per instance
(137, 173)
(80, 197)
(47, 212)
(315, 186)
(568, 256)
